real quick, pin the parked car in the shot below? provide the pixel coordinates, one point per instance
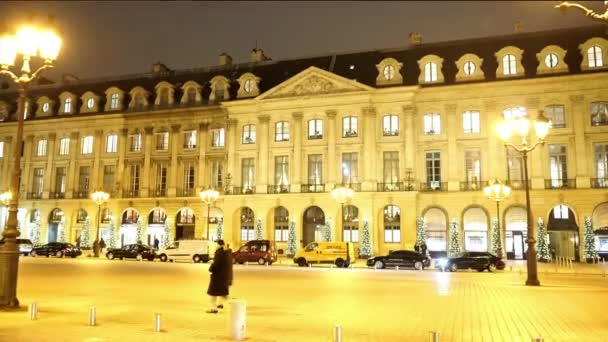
(342, 254)
(402, 258)
(260, 251)
(190, 250)
(25, 246)
(134, 251)
(58, 249)
(479, 261)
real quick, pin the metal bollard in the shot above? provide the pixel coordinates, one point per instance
(537, 339)
(309, 265)
(434, 336)
(157, 322)
(396, 268)
(33, 311)
(238, 317)
(337, 333)
(92, 316)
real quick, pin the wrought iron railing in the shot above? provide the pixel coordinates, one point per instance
(130, 193)
(308, 188)
(354, 186)
(80, 194)
(518, 184)
(560, 183)
(278, 189)
(239, 190)
(434, 186)
(185, 193)
(57, 195)
(33, 195)
(472, 186)
(598, 183)
(387, 187)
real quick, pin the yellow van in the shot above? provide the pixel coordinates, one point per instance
(342, 254)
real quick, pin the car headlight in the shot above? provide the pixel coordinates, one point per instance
(442, 262)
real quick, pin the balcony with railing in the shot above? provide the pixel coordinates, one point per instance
(80, 194)
(240, 190)
(354, 186)
(57, 195)
(160, 192)
(472, 186)
(278, 189)
(599, 183)
(309, 188)
(185, 192)
(130, 193)
(518, 184)
(388, 187)
(433, 186)
(560, 183)
(33, 195)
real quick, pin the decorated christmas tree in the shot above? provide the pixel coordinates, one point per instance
(166, 236)
(327, 231)
(61, 229)
(365, 249)
(139, 230)
(111, 243)
(219, 234)
(454, 240)
(85, 235)
(291, 240)
(259, 233)
(420, 231)
(36, 233)
(496, 248)
(542, 245)
(590, 251)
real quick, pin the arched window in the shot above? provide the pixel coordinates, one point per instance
(247, 223)
(560, 212)
(186, 216)
(594, 55)
(191, 95)
(430, 72)
(114, 104)
(475, 230)
(436, 229)
(81, 216)
(351, 224)
(157, 216)
(392, 224)
(130, 216)
(509, 65)
(164, 97)
(469, 68)
(106, 214)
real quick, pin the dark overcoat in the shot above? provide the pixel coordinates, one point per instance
(218, 284)
(229, 262)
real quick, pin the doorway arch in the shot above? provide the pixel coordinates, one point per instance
(314, 220)
(128, 226)
(184, 224)
(563, 233)
(475, 224)
(436, 220)
(516, 232)
(247, 224)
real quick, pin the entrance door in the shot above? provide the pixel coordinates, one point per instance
(52, 234)
(518, 245)
(314, 219)
(184, 233)
(564, 244)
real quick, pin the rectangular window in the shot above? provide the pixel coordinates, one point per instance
(281, 233)
(315, 169)
(555, 114)
(349, 168)
(391, 167)
(281, 170)
(247, 233)
(430, 72)
(599, 113)
(108, 178)
(60, 180)
(189, 174)
(38, 181)
(351, 234)
(161, 178)
(112, 143)
(247, 173)
(114, 102)
(432, 124)
(392, 234)
(315, 129)
(601, 161)
(1, 149)
(472, 165)
(67, 106)
(470, 122)
(248, 134)
(515, 166)
(162, 141)
(134, 179)
(558, 167)
(217, 136)
(84, 179)
(349, 127)
(64, 146)
(87, 144)
(217, 174)
(41, 150)
(135, 143)
(190, 140)
(433, 168)
(390, 125)
(281, 131)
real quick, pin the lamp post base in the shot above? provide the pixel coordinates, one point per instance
(9, 265)
(532, 282)
(96, 251)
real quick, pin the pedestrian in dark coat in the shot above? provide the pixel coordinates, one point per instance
(220, 275)
(156, 243)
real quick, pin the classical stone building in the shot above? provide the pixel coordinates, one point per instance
(411, 130)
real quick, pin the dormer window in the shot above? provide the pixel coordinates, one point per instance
(114, 101)
(191, 95)
(469, 68)
(551, 60)
(430, 66)
(430, 72)
(509, 62)
(90, 103)
(389, 72)
(248, 85)
(509, 65)
(164, 97)
(139, 98)
(219, 89)
(46, 107)
(67, 105)
(594, 54)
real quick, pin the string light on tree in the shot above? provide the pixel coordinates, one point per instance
(454, 239)
(85, 235)
(291, 240)
(542, 245)
(365, 249)
(220, 229)
(590, 251)
(259, 230)
(112, 239)
(327, 231)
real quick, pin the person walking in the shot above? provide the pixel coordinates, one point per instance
(78, 241)
(156, 243)
(220, 277)
(102, 246)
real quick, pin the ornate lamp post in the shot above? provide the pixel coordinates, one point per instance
(5, 199)
(496, 191)
(342, 195)
(588, 12)
(521, 126)
(29, 42)
(209, 196)
(100, 198)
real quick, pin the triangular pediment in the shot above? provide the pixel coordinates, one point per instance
(314, 81)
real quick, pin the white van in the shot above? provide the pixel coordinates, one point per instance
(189, 250)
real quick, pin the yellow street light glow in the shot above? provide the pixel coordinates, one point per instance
(541, 126)
(504, 130)
(342, 194)
(100, 197)
(209, 196)
(8, 49)
(6, 197)
(49, 44)
(27, 40)
(522, 126)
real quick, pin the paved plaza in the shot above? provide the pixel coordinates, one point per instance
(303, 304)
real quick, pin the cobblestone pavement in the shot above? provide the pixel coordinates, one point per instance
(303, 304)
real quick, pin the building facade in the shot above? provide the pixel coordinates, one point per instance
(411, 130)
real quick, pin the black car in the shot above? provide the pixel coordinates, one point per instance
(58, 249)
(402, 258)
(479, 261)
(134, 251)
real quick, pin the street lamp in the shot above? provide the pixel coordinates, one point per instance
(497, 191)
(520, 125)
(5, 199)
(588, 12)
(29, 42)
(209, 196)
(100, 198)
(342, 195)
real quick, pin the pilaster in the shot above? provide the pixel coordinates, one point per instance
(72, 167)
(145, 181)
(410, 144)
(262, 170)
(452, 158)
(296, 179)
(578, 111)
(369, 148)
(204, 177)
(172, 181)
(331, 161)
(122, 150)
(96, 180)
(49, 166)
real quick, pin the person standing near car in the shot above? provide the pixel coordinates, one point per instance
(156, 243)
(102, 246)
(219, 279)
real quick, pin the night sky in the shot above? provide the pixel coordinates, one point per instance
(116, 38)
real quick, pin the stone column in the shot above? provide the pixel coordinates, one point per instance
(409, 131)
(172, 181)
(120, 172)
(26, 180)
(296, 179)
(72, 172)
(578, 111)
(203, 172)
(46, 188)
(96, 180)
(369, 149)
(450, 127)
(262, 169)
(330, 161)
(232, 141)
(496, 153)
(7, 160)
(536, 161)
(146, 172)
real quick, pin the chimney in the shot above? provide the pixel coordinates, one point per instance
(159, 67)
(518, 27)
(68, 78)
(257, 55)
(415, 38)
(225, 59)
